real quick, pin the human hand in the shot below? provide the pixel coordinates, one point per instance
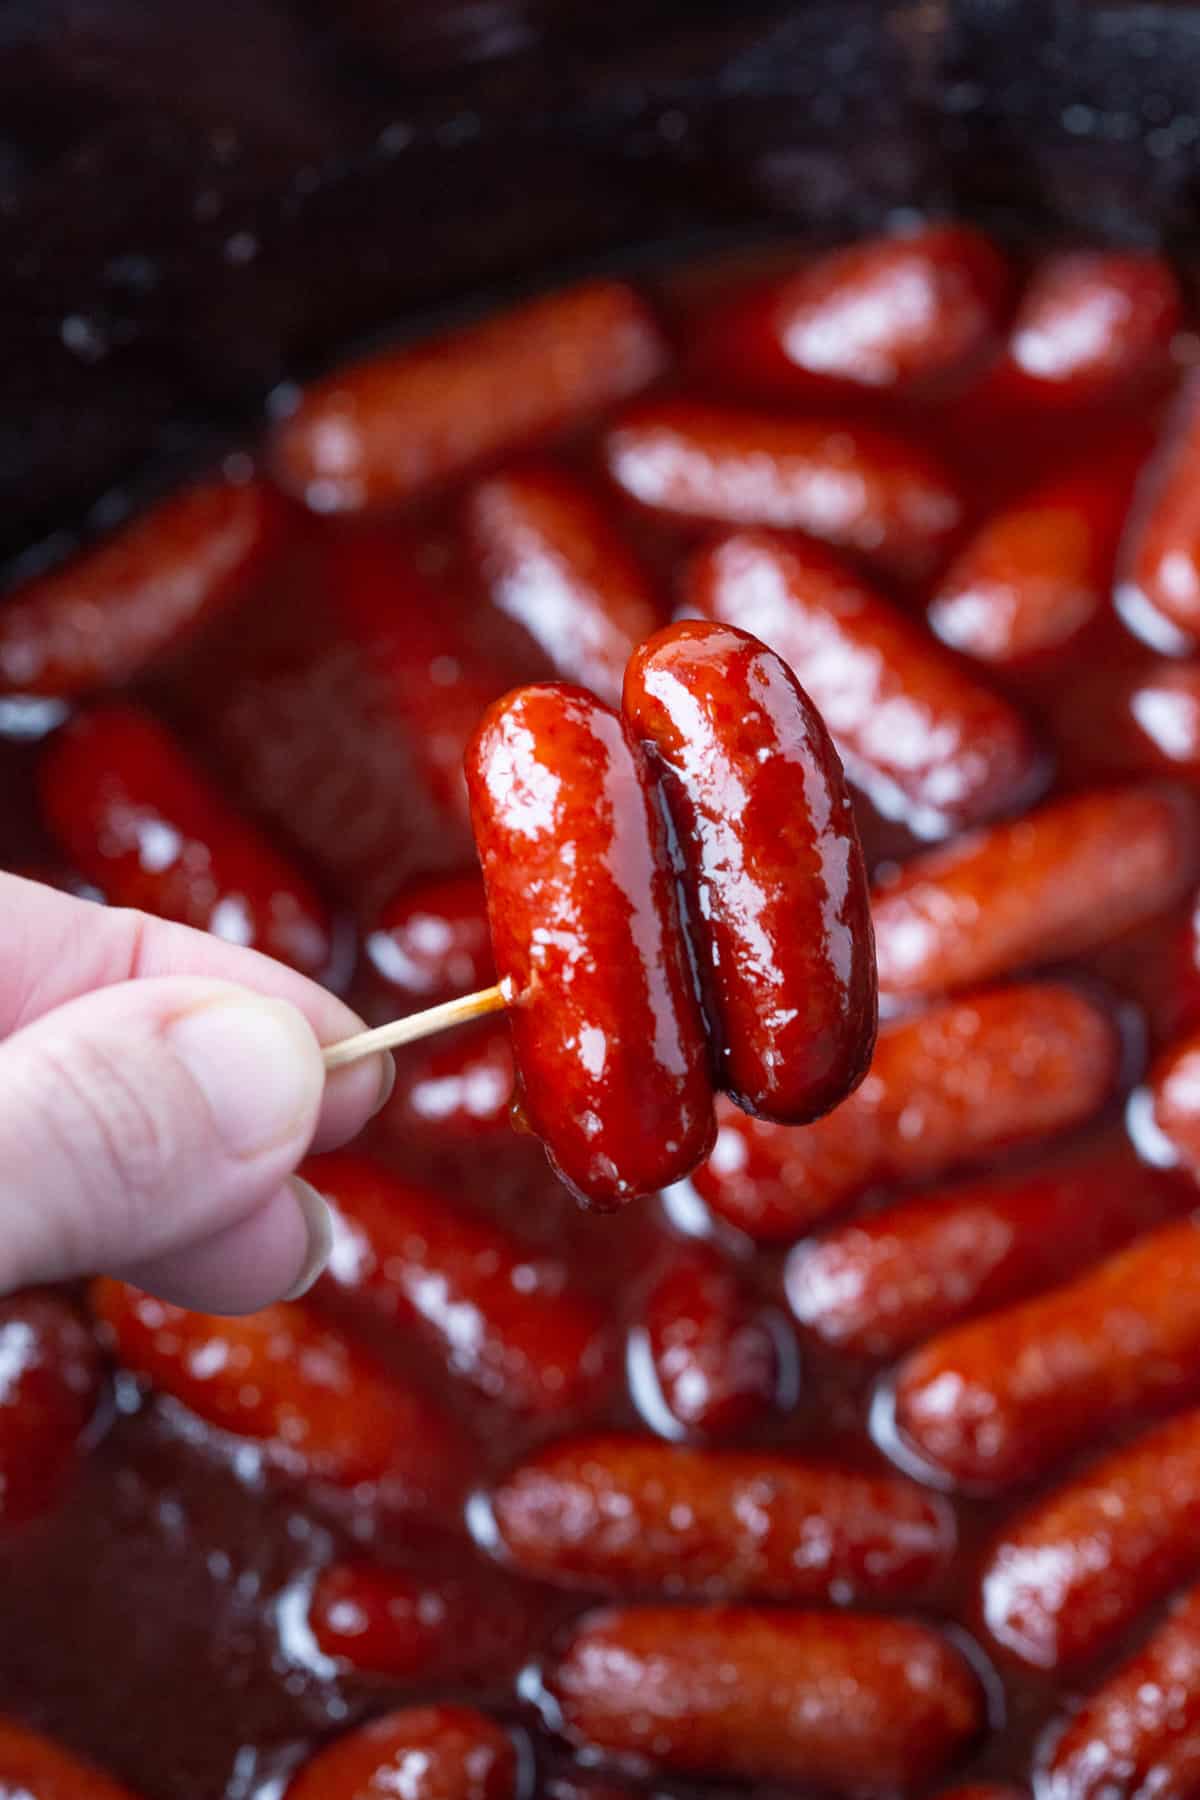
(157, 1089)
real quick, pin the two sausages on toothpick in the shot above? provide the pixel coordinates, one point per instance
(678, 903)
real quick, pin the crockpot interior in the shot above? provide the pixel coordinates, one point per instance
(198, 202)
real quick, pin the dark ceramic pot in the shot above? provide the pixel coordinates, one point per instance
(198, 201)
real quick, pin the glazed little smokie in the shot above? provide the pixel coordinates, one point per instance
(598, 968)
(609, 1041)
(137, 817)
(777, 902)
(918, 731)
(105, 614)
(625, 1014)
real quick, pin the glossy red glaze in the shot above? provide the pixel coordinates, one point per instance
(506, 1320)
(1005, 1398)
(1159, 587)
(1118, 1538)
(1163, 716)
(606, 1028)
(1054, 883)
(557, 565)
(104, 615)
(422, 1753)
(880, 1283)
(1139, 1732)
(925, 739)
(384, 1621)
(853, 486)
(431, 942)
(399, 1626)
(1174, 1101)
(887, 1703)
(1091, 324)
(411, 630)
(890, 314)
(138, 818)
(33, 1767)
(713, 1357)
(1039, 572)
(318, 1406)
(777, 905)
(49, 1380)
(454, 1091)
(953, 1086)
(627, 1516)
(396, 424)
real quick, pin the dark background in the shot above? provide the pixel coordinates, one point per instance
(196, 200)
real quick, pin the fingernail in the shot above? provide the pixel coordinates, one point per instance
(355, 1078)
(387, 1079)
(318, 1223)
(257, 1064)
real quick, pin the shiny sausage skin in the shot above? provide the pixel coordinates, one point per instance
(948, 1088)
(1139, 1733)
(34, 1767)
(1004, 1399)
(430, 943)
(777, 903)
(505, 1319)
(1055, 883)
(918, 731)
(319, 1405)
(1158, 590)
(863, 490)
(417, 1625)
(1037, 575)
(418, 1753)
(120, 603)
(1161, 716)
(607, 1031)
(383, 430)
(1118, 1537)
(454, 1090)
(557, 565)
(895, 315)
(1174, 1096)
(833, 1701)
(880, 1283)
(714, 1358)
(627, 1515)
(1090, 324)
(138, 818)
(430, 679)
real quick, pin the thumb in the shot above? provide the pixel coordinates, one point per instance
(150, 1129)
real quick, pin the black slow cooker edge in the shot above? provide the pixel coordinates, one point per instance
(196, 202)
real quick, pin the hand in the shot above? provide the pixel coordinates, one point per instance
(157, 1089)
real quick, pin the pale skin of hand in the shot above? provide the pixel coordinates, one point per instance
(158, 1089)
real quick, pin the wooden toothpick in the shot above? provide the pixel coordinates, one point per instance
(417, 1025)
